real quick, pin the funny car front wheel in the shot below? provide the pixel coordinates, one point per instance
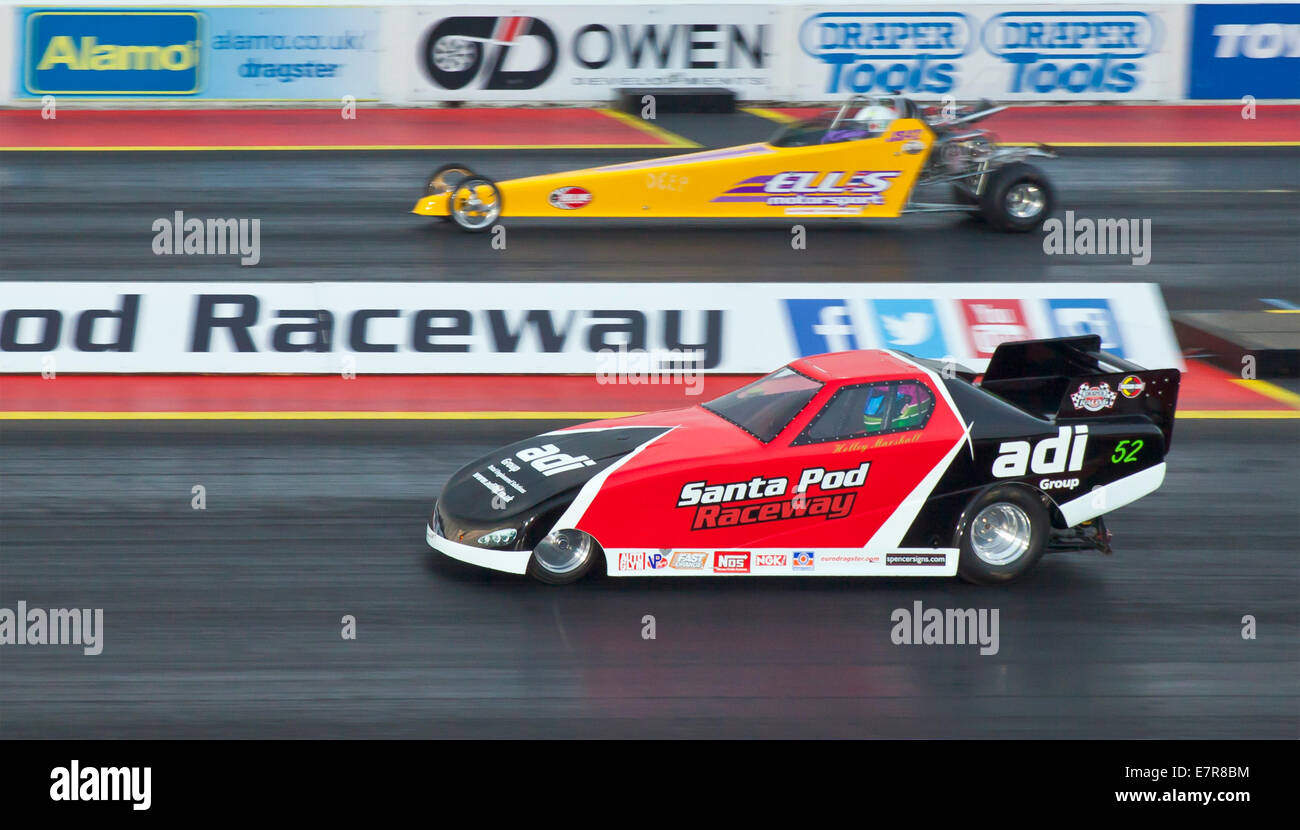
(564, 556)
(1017, 198)
(1001, 536)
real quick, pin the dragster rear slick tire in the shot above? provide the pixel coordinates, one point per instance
(1017, 198)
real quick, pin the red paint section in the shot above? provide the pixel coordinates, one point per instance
(1119, 125)
(1204, 388)
(321, 128)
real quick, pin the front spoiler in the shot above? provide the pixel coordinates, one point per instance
(431, 206)
(509, 561)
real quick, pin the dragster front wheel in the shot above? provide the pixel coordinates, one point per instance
(475, 204)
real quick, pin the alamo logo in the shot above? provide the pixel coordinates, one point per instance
(1093, 398)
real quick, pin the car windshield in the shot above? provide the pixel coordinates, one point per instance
(764, 407)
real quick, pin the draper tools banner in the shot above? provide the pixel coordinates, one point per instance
(436, 328)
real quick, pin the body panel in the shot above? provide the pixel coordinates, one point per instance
(870, 177)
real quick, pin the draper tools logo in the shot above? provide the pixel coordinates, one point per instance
(459, 51)
(113, 52)
(1074, 52)
(906, 52)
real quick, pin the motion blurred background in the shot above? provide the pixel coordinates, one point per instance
(317, 467)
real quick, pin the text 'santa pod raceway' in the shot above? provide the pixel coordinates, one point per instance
(866, 463)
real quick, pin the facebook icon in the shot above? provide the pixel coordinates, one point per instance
(821, 326)
(1074, 317)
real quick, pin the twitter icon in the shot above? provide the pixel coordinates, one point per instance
(910, 326)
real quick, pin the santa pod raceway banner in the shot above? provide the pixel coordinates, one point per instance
(573, 328)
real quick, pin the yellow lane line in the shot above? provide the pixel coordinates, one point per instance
(1270, 390)
(672, 139)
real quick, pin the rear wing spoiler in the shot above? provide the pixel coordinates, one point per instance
(1072, 378)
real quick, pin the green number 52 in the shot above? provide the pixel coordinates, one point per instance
(1126, 451)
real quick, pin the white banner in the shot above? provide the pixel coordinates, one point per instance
(570, 328)
(1041, 52)
(584, 53)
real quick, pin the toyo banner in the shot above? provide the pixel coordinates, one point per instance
(1238, 49)
(1005, 52)
(227, 53)
(571, 328)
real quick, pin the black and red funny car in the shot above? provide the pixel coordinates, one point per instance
(863, 463)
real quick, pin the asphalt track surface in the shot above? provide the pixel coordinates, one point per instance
(1225, 225)
(225, 622)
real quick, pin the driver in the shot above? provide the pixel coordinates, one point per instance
(877, 116)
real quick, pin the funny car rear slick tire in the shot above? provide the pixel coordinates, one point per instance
(1017, 198)
(560, 565)
(475, 204)
(1002, 535)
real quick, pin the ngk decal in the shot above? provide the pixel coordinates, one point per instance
(1045, 457)
(549, 461)
(460, 51)
(731, 562)
(992, 322)
(771, 560)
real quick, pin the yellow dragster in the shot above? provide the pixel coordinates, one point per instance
(864, 161)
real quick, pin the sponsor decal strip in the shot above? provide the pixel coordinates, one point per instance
(782, 562)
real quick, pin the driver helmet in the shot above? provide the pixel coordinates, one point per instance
(877, 117)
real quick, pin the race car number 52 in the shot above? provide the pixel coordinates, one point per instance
(1126, 451)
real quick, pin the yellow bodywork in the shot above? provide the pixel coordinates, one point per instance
(868, 177)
